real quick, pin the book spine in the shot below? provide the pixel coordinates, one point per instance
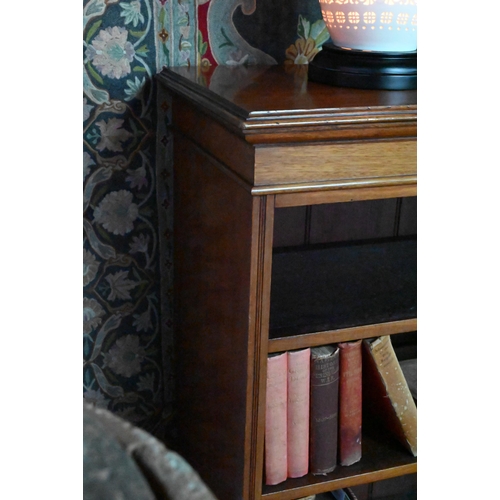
(299, 363)
(389, 397)
(276, 420)
(350, 402)
(323, 429)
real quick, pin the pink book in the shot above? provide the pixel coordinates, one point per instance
(275, 432)
(299, 366)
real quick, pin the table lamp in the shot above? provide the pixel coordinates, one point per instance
(374, 44)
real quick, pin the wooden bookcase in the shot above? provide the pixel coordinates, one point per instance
(249, 142)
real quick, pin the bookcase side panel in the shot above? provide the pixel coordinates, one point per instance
(212, 252)
(234, 153)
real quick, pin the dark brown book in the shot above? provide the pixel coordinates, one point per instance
(324, 409)
(350, 402)
(387, 396)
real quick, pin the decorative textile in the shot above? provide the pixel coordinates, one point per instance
(127, 177)
(121, 461)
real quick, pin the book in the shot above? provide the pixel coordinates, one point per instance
(298, 412)
(350, 402)
(339, 495)
(275, 440)
(323, 429)
(387, 396)
(343, 494)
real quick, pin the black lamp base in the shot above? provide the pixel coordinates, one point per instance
(364, 69)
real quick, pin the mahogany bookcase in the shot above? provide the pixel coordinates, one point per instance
(248, 142)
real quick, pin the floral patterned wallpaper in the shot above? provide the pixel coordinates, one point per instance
(128, 347)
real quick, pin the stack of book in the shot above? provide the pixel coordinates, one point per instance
(314, 403)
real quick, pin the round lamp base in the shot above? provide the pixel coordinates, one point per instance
(363, 69)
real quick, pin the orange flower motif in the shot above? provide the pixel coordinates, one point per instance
(301, 52)
(163, 34)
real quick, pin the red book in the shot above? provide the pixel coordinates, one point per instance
(299, 363)
(276, 419)
(350, 402)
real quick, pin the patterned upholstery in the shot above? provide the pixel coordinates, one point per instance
(123, 462)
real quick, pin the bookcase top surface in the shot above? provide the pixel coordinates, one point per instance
(280, 95)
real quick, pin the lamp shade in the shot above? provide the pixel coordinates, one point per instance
(374, 25)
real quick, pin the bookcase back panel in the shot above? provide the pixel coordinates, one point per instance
(353, 221)
(334, 222)
(407, 223)
(320, 288)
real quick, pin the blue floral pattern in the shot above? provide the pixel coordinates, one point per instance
(122, 338)
(127, 188)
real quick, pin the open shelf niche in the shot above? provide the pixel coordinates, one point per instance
(357, 286)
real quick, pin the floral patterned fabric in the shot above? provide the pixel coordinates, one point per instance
(127, 177)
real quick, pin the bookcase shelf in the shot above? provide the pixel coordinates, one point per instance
(247, 143)
(383, 458)
(313, 339)
(341, 287)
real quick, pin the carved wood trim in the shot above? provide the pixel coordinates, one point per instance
(260, 289)
(368, 189)
(381, 118)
